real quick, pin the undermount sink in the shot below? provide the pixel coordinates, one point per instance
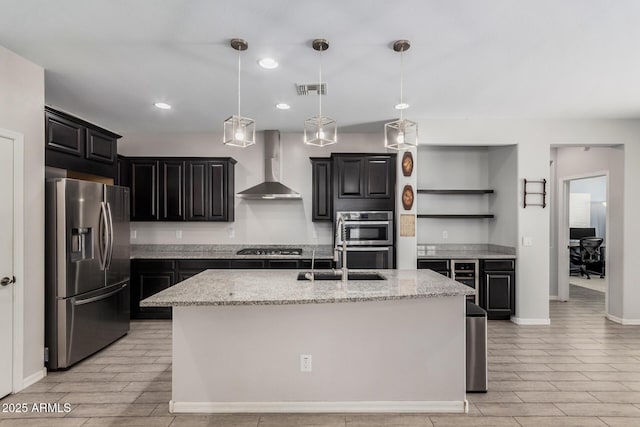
(330, 275)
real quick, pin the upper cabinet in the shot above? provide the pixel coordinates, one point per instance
(210, 190)
(74, 144)
(364, 181)
(182, 189)
(322, 201)
(352, 182)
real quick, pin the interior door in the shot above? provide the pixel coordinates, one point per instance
(6, 265)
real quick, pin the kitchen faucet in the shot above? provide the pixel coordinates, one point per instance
(341, 231)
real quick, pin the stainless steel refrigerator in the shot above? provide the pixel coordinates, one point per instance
(87, 269)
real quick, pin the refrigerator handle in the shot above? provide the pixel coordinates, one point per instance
(103, 238)
(110, 234)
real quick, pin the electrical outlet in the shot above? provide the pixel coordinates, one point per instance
(305, 363)
(134, 234)
(445, 235)
(178, 234)
(527, 241)
(232, 232)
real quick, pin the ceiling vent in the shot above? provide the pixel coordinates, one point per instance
(311, 89)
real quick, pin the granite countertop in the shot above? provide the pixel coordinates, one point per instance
(461, 251)
(224, 251)
(275, 287)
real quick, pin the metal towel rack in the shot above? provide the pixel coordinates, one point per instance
(543, 193)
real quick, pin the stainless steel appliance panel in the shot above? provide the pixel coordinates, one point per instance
(367, 228)
(370, 257)
(88, 323)
(118, 253)
(476, 348)
(80, 234)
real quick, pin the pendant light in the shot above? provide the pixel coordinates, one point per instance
(401, 134)
(239, 131)
(319, 130)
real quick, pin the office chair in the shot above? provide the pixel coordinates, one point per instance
(589, 253)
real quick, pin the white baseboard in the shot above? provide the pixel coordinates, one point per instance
(31, 380)
(623, 321)
(457, 407)
(529, 322)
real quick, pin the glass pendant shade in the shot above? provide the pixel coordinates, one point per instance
(239, 131)
(401, 135)
(320, 131)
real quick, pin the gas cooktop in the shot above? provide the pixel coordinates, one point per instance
(270, 251)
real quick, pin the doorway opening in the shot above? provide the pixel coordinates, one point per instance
(587, 237)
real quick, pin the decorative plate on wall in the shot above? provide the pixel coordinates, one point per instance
(407, 197)
(407, 163)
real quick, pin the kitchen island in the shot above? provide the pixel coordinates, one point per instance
(394, 345)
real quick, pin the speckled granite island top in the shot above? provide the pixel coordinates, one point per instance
(274, 287)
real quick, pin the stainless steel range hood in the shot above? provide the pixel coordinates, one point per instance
(271, 188)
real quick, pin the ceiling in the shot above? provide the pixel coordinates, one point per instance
(109, 60)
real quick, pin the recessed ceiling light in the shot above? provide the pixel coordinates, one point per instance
(268, 63)
(162, 105)
(402, 106)
(283, 106)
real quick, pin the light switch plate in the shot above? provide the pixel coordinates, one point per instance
(527, 241)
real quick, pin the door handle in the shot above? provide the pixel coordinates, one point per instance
(7, 280)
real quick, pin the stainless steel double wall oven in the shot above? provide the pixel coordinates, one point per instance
(369, 236)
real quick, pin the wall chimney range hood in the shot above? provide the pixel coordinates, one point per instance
(271, 188)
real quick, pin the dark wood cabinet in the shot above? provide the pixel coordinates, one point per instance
(123, 171)
(171, 190)
(322, 196)
(64, 135)
(497, 288)
(210, 190)
(101, 147)
(182, 189)
(364, 181)
(77, 145)
(442, 266)
(377, 182)
(149, 277)
(144, 190)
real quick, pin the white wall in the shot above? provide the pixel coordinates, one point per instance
(453, 168)
(21, 110)
(256, 221)
(503, 173)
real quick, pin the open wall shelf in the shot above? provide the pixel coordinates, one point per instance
(434, 191)
(457, 216)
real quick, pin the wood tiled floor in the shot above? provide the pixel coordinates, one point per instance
(581, 371)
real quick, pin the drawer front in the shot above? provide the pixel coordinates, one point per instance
(435, 265)
(152, 266)
(499, 264)
(203, 264)
(247, 263)
(282, 263)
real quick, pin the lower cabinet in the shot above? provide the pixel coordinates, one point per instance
(150, 276)
(497, 288)
(496, 284)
